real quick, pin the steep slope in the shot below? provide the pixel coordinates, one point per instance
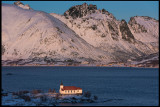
(83, 33)
(36, 34)
(101, 29)
(146, 30)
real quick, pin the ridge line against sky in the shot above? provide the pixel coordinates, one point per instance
(120, 9)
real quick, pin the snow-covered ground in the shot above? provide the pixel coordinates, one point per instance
(43, 99)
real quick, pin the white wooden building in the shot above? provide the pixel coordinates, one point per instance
(69, 89)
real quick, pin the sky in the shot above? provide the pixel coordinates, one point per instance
(120, 9)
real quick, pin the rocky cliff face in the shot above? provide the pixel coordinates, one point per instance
(124, 41)
(125, 31)
(83, 33)
(80, 11)
(136, 27)
(20, 4)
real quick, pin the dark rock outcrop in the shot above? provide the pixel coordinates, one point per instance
(18, 3)
(125, 31)
(103, 11)
(137, 28)
(3, 49)
(80, 10)
(113, 30)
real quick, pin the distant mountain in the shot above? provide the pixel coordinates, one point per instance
(82, 34)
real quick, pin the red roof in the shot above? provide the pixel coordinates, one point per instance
(71, 88)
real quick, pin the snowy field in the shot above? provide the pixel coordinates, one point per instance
(113, 86)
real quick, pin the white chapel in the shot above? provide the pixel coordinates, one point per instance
(69, 89)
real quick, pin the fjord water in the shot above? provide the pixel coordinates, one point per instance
(113, 85)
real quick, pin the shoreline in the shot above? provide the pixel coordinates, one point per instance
(69, 66)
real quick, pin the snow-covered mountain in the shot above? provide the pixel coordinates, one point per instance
(101, 29)
(83, 33)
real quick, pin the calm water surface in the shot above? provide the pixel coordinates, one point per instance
(123, 86)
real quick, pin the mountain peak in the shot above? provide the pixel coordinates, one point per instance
(20, 4)
(80, 10)
(84, 4)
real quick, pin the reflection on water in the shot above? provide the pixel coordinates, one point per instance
(70, 104)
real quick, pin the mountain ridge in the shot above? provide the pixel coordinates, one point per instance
(93, 35)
